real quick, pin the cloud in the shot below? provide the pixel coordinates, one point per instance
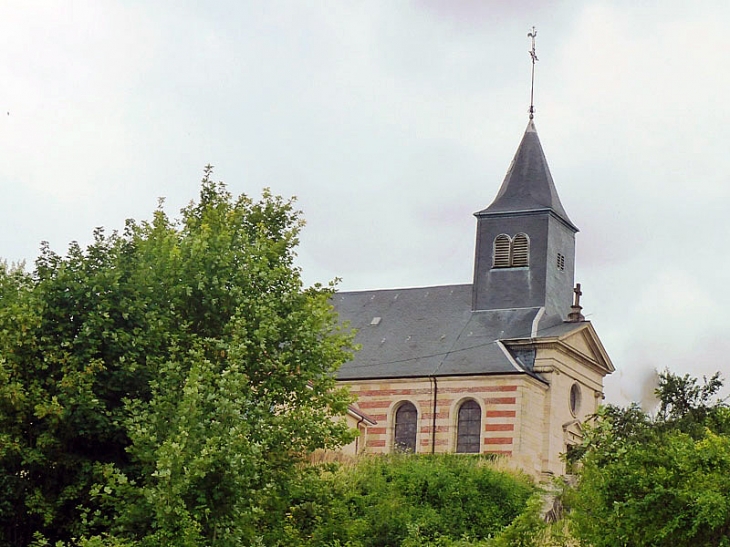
(393, 123)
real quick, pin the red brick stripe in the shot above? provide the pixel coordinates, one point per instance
(499, 427)
(427, 390)
(498, 440)
(391, 392)
(439, 442)
(501, 413)
(476, 389)
(429, 415)
(500, 401)
(373, 404)
(439, 429)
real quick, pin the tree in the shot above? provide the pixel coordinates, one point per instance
(688, 406)
(161, 384)
(656, 481)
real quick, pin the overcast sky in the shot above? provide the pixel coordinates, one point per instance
(392, 122)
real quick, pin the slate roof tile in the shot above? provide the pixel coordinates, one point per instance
(432, 331)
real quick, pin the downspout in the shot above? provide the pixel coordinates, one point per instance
(433, 414)
(357, 439)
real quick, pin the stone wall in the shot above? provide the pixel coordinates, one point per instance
(502, 399)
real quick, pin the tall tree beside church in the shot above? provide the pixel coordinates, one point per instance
(159, 385)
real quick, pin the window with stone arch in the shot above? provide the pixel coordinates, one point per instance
(511, 252)
(405, 428)
(469, 427)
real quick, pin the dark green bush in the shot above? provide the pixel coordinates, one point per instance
(402, 500)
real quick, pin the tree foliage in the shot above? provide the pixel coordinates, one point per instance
(156, 386)
(407, 500)
(659, 480)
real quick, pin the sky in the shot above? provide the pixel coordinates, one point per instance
(392, 123)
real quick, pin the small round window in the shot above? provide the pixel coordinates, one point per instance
(574, 399)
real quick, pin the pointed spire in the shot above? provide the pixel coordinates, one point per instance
(528, 185)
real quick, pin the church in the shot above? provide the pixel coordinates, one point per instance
(505, 365)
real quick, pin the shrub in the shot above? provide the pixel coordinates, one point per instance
(404, 500)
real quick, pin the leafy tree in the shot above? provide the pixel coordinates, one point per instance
(688, 406)
(159, 386)
(657, 481)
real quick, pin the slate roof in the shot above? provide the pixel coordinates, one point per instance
(432, 331)
(528, 185)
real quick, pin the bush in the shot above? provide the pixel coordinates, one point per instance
(404, 500)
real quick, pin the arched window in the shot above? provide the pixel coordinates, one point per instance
(502, 244)
(511, 252)
(406, 421)
(520, 250)
(468, 428)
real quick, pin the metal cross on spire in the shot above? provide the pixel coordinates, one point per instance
(532, 34)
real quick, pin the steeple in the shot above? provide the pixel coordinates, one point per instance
(525, 250)
(528, 185)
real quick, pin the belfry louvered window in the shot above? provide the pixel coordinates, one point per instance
(520, 250)
(502, 245)
(406, 422)
(469, 428)
(511, 252)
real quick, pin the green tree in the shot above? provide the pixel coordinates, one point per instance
(687, 405)
(661, 480)
(162, 384)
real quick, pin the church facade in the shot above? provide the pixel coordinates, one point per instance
(506, 365)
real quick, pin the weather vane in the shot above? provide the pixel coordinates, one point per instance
(532, 53)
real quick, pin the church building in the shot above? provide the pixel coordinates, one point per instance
(505, 365)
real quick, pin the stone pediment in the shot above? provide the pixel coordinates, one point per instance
(579, 341)
(583, 343)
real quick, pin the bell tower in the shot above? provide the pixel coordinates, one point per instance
(525, 248)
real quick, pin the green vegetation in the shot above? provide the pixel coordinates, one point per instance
(405, 500)
(165, 385)
(158, 386)
(657, 481)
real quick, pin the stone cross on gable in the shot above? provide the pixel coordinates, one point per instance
(575, 316)
(578, 294)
